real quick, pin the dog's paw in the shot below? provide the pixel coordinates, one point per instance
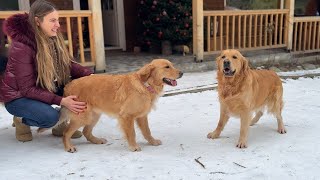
(41, 130)
(213, 135)
(70, 149)
(252, 123)
(242, 144)
(134, 148)
(282, 130)
(155, 142)
(102, 141)
(99, 141)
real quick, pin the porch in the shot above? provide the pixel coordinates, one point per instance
(213, 31)
(248, 30)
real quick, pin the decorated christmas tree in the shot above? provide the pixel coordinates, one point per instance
(161, 20)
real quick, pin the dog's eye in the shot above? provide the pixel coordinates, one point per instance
(223, 57)
(234, 57)
(167, 67)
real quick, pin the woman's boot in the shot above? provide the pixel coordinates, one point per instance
(23, 132)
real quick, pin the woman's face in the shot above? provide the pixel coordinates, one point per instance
(50, 23)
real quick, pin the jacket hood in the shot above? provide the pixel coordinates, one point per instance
(18, 28)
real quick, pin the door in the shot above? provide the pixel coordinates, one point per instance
(110, 24)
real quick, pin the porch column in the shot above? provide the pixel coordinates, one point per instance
(76, 4)
(100, 57)
(281, 4)
(24, 5)
(197, 25)
(290, 5)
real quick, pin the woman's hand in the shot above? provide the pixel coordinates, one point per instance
(73, 105)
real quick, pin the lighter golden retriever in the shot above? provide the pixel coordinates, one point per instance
(243, 91)
(127, 97)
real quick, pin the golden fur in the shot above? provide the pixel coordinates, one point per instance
(125, 97)
(243, 91)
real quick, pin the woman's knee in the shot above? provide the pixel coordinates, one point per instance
(50, 118)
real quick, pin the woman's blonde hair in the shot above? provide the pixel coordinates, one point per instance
(48, 69)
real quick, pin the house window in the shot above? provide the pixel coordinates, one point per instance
(9, 5)
(107, 5)
(307, 8)
(253, 4)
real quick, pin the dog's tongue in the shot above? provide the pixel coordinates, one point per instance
(227, 70)
(173, 82)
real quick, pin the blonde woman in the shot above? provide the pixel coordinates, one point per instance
(38, 67)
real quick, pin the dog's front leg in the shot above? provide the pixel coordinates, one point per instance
(127, 125)
(245, 119)
(224, 117)
(144, 127)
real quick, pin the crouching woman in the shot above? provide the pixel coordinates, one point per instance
(38, 67)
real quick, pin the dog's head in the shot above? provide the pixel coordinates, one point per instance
(231, 62)
(160, 71)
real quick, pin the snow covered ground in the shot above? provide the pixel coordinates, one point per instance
(182, 123)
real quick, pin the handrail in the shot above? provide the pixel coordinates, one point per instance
(244, 12)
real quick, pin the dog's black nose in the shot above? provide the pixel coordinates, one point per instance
(180, 74)
(226, 63)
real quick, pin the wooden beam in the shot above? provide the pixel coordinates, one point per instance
(24, 5)
(76, 4)
(281, 4)
(69, 36)
(98, 39)
(197, 13)
(194, 27)
(121, 24)
(289, 20)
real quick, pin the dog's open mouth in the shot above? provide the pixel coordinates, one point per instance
(228, 72)
(170, 82)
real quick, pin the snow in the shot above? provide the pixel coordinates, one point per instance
(193, 81)
(182, 123)
(299, 72)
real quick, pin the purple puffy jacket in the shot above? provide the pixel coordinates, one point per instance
(19, 79)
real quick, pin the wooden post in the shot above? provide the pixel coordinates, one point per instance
(289, 20)
(24, 5)
(98, 40)
(194, 27)
(281, 4)
(197, 14)
(76, 4)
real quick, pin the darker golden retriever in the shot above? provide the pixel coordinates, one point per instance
(243, 91)
(127, 97)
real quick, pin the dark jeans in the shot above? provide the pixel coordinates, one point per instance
(33, 113)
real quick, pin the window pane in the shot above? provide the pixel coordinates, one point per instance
(9, 5)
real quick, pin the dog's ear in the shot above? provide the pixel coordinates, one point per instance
(218, 62)
(145, 72)
(245, 65)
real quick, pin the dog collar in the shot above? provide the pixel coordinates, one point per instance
(149, 87)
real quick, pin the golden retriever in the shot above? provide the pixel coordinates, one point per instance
(127, 97)
(243, 91)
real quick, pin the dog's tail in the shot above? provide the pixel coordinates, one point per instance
(276, 103)
(63, 117)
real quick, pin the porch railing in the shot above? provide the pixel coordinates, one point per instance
(245, 29)
(306, 34)
(73, 25)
